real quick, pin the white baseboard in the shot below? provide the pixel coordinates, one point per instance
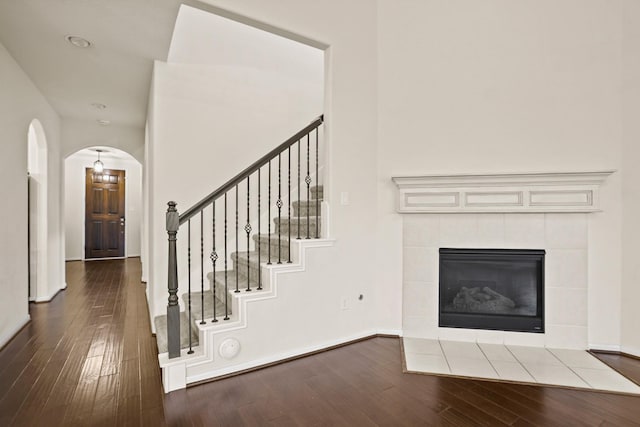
(49, 297)
(73, 259)
(604, 347)
(630, 350)
(6, 337)
(393, 332)
(278, 357)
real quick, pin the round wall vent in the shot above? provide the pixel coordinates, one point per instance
(229, 348)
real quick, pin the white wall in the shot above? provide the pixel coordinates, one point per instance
(631, 178)
(20, 103)
(350, 110)
(75, 202)
(78, 134)
(500, 86)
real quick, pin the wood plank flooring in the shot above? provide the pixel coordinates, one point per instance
(88, 358)
(363, 385)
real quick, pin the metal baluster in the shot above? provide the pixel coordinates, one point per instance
(317, 191)
(202, 322)
(214, 258)
(259, 235)
(237, 252)
(226, 257)
(299, 200)
(189, 282)
(247, 228)
(289, 204)
(279, 204)
(308, 181)
(269, 218)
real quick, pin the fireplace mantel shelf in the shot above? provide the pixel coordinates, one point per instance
(512, 192)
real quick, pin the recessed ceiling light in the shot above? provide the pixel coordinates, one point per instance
(78, 41)
(104, 122)
(98, 105)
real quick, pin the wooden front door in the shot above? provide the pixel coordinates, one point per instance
(104, 214)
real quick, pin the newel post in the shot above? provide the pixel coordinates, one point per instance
(173, 309)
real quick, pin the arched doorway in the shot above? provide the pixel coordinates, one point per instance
(38, 196)
(77, 166)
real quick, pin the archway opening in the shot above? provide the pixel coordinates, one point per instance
(37, 200)
(77, 166)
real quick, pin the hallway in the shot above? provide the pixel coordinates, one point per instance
(87, 357)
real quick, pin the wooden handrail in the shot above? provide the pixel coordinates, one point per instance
(189, 213)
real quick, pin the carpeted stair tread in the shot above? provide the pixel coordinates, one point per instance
(161, 332)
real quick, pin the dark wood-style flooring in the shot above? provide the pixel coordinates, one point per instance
(88, 358)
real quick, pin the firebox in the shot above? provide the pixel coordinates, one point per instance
(496, 289)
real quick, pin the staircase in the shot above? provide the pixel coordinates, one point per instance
(226, 256)
(246, 272)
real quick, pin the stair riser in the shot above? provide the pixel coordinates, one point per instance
(220, 291)
(284, 249)
(196, 303)
(300, 210)
(264, 241)
(283, 228)
(254, 272)
(316, 193)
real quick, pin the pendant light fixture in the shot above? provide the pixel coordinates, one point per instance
(98, 167)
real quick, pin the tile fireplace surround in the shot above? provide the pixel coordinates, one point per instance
(509, 211)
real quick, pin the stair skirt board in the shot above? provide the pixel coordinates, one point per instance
(174, 371)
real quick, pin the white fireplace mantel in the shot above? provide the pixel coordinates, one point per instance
(511, 192)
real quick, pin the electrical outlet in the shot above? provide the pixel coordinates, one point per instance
(344, 303)
(344, 198)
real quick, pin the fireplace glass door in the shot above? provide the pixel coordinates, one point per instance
(497, 289)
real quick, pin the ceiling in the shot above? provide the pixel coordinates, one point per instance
(126, 36)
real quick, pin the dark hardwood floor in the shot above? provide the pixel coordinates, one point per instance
(88, 358)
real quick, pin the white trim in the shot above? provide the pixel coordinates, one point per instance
(509, 192)
(9, 335)
(74, 259)
(604, 347)
(397, 332)
(630, 350)
(52, 295)
(280, 356)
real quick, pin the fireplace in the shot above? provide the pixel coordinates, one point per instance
(495, 289)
